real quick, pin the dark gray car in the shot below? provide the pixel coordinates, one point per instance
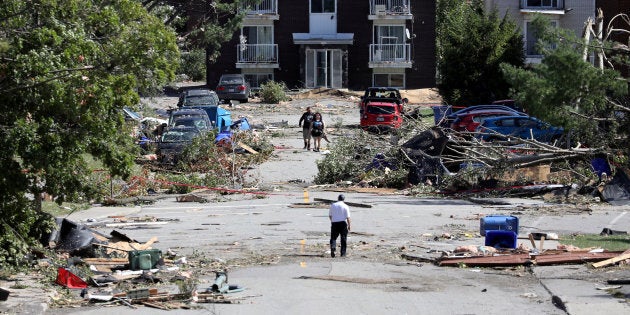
(198, 97)
(233, 87)
(173, 142)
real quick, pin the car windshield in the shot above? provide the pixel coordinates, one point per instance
(179, 135)
(376, 109)
(200, 100)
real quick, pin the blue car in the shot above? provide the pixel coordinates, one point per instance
(524, 127)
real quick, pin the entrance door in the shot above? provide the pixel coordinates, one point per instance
(323, 17)
(323, 68)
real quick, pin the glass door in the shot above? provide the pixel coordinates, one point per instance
(323, 68)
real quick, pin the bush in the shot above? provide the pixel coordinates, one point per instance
(272, 92)
(193, 64)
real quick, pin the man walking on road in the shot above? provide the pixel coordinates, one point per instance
(307, 119)
(339, 215)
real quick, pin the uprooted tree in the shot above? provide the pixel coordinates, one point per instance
(67, 68)
(564, 89)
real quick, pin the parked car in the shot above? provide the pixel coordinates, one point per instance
(173, 142)
(448, 119)
(194, 113)
(469, 121)
(380, 93)
(381, 109)
(198, 97)
(233, 87)
(197, 122)
(524, 127)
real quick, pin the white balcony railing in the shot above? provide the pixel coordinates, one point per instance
(264, 7)
(389, 7)
(390, 53)
(542, 4)
(257, 53)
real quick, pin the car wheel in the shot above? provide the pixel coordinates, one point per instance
(245, 101)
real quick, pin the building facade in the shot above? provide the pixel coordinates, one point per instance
(567, 14)
(333, 44)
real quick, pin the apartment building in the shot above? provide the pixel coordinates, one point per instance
(333, 44)
(567, 14)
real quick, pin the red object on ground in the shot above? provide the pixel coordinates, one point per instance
(69, 280)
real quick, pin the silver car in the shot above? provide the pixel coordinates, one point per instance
(233, 87)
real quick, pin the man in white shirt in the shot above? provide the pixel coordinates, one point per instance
(339, 215)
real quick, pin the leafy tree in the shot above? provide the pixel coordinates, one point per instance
(471, 46)
(566, 90)
(201, 24)
(67, 69)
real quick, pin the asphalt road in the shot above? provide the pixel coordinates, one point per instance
(286, 265)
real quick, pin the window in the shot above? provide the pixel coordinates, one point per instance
(257, 79)
(322, 6)
(396, 80)
(531, 39)
(543, 3)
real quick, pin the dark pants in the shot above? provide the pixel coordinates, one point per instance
(336, 229)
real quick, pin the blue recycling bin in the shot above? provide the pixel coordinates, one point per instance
(501, 239)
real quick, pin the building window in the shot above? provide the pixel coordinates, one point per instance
(551, 4)
(322, 6)
(531, 39)
(257, 79)
(396, 80)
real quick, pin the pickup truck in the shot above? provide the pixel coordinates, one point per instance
(381, 109)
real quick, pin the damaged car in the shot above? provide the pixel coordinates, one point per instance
(174, 141)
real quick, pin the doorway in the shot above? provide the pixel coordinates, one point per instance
(323, 68)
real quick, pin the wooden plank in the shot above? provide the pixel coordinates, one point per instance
(573, 258)
(247, 148)
(352, 204)
(487, 261)
(614, 260)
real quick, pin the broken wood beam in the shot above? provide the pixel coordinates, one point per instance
(614, 260)
(572, 258)
(352, 204)
(487, 261)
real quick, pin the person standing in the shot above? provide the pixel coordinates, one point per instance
(305, 123)
(317, 131)
(339, 214)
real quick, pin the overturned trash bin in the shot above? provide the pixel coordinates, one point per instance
(501, 239)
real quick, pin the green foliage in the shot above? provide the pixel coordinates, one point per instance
(194, 64)
(272, 92)
(567, 91)
(471, 46)
(68, 69)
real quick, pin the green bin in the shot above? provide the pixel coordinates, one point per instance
(144, 259)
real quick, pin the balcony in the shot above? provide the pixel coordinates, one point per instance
(266, 9)
(542, 6)
(390, 9)
(257, 56)
(390, 56)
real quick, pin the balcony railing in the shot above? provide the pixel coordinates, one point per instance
(390, 53)
(257, 53)
(264, 7)
(542, 4)
(389, 7)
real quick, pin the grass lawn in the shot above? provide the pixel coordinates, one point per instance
(609, 242)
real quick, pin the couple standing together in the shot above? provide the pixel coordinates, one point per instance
(312, 127)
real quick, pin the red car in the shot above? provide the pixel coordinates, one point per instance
(381, 115)
(381, 109)
(468, 122)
